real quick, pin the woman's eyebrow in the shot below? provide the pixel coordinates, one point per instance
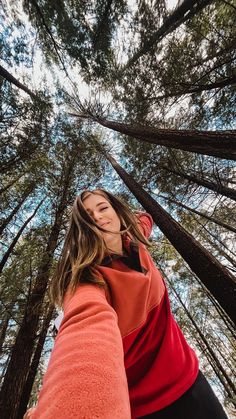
(103, 202)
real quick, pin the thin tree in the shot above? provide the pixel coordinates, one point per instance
(24, 151)
(186, 10)
(9, 251)
(218, 84)
(230, 387)
(203, 215)
(22, 351)
(11, 183)
(6, 75)
(213, 186)
(5, 322)
(35, 362)
(25, 195)
(49, 33)
(217, 244)
(222, 314)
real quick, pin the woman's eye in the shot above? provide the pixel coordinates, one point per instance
(103, 208)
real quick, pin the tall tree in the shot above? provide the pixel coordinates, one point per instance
(212, 143)
(182, 83)
(208, 217)
(230, 387)
(82, 40)
(4, 323)
(61, 189)
(16, 238)
(218, 280)
(24, 196)
(23, 348)
(187, 9)
(35, 362)
(11, 79)
(178, 65)
(72, 159)
(216, 187)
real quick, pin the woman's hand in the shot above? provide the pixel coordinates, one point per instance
(29, 413)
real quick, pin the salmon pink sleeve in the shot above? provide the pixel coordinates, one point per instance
(86, 374)
(145, 222)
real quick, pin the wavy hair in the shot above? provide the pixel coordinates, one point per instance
(85, 248)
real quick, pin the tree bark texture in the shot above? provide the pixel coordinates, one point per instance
(221, 144)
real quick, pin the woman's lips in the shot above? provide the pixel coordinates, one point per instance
(104, 224)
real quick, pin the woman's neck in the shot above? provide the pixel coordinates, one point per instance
(115, 246)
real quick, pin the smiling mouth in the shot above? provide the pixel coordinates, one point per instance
(105, 224)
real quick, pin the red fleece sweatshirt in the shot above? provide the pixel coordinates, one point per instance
(118, 354)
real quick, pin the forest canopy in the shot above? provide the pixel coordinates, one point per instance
(137, 97)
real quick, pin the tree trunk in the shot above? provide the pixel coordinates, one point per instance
(218, 247)
(6, 75)
(231, 389)
(186, 10)
(5, 188)
(24, 153)
(208, 217)
(215, 277)
(34, 364)
(50, 34)
(25, 195)
(217, 372)
(223, 315)
(4, 323)
(221, 144)
(16, 238)
(99, 30)
(13, 385)
(22, 350)
(216, 187)
(218, 84)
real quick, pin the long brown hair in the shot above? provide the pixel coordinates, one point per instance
(85, 248)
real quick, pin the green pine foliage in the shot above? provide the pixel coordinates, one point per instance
(184, 81)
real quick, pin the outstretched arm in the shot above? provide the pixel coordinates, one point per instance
(145, 222)
(86, 374)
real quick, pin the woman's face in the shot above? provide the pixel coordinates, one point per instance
(103, 214)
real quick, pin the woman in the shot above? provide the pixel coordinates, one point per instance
(119, 353)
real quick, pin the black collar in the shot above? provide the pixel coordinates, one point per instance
(114, 256)
(131, 259)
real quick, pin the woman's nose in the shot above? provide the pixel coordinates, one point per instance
(97, 216)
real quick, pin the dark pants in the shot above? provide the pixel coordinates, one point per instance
(199, 402)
